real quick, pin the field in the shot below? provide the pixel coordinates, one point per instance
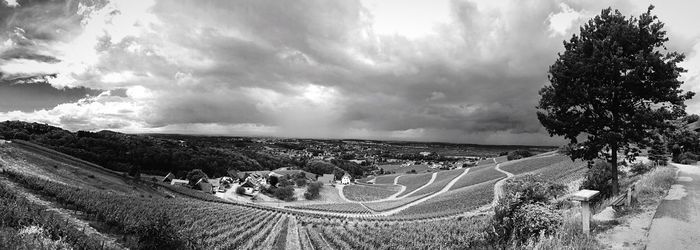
(397, 169)
(369, 192)
(386, 205)
(125, 213)
(455, 201)
(441, 180)
(353, 208)
(414, 181)
(533, 163)
(478, 175)
(385, 179)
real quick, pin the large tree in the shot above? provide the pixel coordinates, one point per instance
(612, 87)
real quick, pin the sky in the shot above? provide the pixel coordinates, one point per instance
(420, 70)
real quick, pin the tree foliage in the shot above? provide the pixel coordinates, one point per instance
(614, 85)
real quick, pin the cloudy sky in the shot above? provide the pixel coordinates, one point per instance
(431, 70)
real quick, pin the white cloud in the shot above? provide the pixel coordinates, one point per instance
(12, 3)
(561, 22)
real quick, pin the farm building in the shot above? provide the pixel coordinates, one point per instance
(169, 177)
(326, 178)
(345, 179)
(204, 185)
(249, 187)
(179, 182)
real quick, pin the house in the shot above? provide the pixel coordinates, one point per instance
(204, 185)
(179, 182)
(326, 178)
(249, 187)
(345, 179)
(169, 177)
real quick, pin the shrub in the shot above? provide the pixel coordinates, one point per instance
(240, 190)
(518, 154)
(688, 158)
(300, 182)
(313, 190)
(519, 193)
(284, 193)
(599, 178)
(532, 220)
(640, 168)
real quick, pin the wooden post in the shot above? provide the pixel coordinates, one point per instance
(585, 196)
(630, 190)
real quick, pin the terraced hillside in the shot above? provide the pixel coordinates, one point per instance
(89, 207)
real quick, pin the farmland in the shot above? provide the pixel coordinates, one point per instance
(398, 169)
(533, 163)
(455, 201)
(441, 180)
(352, 208)
(414, 181)
(478, 175)
(386, 205)
(385, 179)
(360, 192)
(122, 209)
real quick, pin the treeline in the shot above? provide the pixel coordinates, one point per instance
(139, 153)
(160, 154)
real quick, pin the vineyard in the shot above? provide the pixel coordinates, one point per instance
(454, 201)
(441, 180)
(478, 175)
(532, 164)
(359, 192)
(351, 208)
(414, 181)
(391, 204)
(385, 179)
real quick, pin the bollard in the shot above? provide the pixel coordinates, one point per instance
(585, 196)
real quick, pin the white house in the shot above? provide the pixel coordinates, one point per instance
(346, 179)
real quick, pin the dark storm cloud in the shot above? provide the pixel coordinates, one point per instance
(307, 68)
(39, 95)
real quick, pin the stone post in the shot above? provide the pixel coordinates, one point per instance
(585, 196)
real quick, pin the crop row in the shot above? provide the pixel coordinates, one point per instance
(478, 175)
(533, 163)
(369, 192)
(441, 180)
(352, 208)
(391, 204)
(414, 181)
(455, 201)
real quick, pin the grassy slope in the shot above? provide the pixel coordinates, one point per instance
(400, 170)
(56, 166)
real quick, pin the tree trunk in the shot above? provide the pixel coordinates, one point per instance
(613, 168)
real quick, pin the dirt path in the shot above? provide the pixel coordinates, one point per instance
(293, 242)
(498, 187)
(67, 215)
(676, 224)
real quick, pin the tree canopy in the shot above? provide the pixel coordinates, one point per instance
(613, 87)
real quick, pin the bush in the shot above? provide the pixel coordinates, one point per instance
(599, 177)
(640, 168)
(313, 190)
(284, 193)
(240, 190)
(533, 220)
(519, 194)
(519, 154)
(687, 158)
(300, 182)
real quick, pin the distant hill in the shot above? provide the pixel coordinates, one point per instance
(146, 154)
